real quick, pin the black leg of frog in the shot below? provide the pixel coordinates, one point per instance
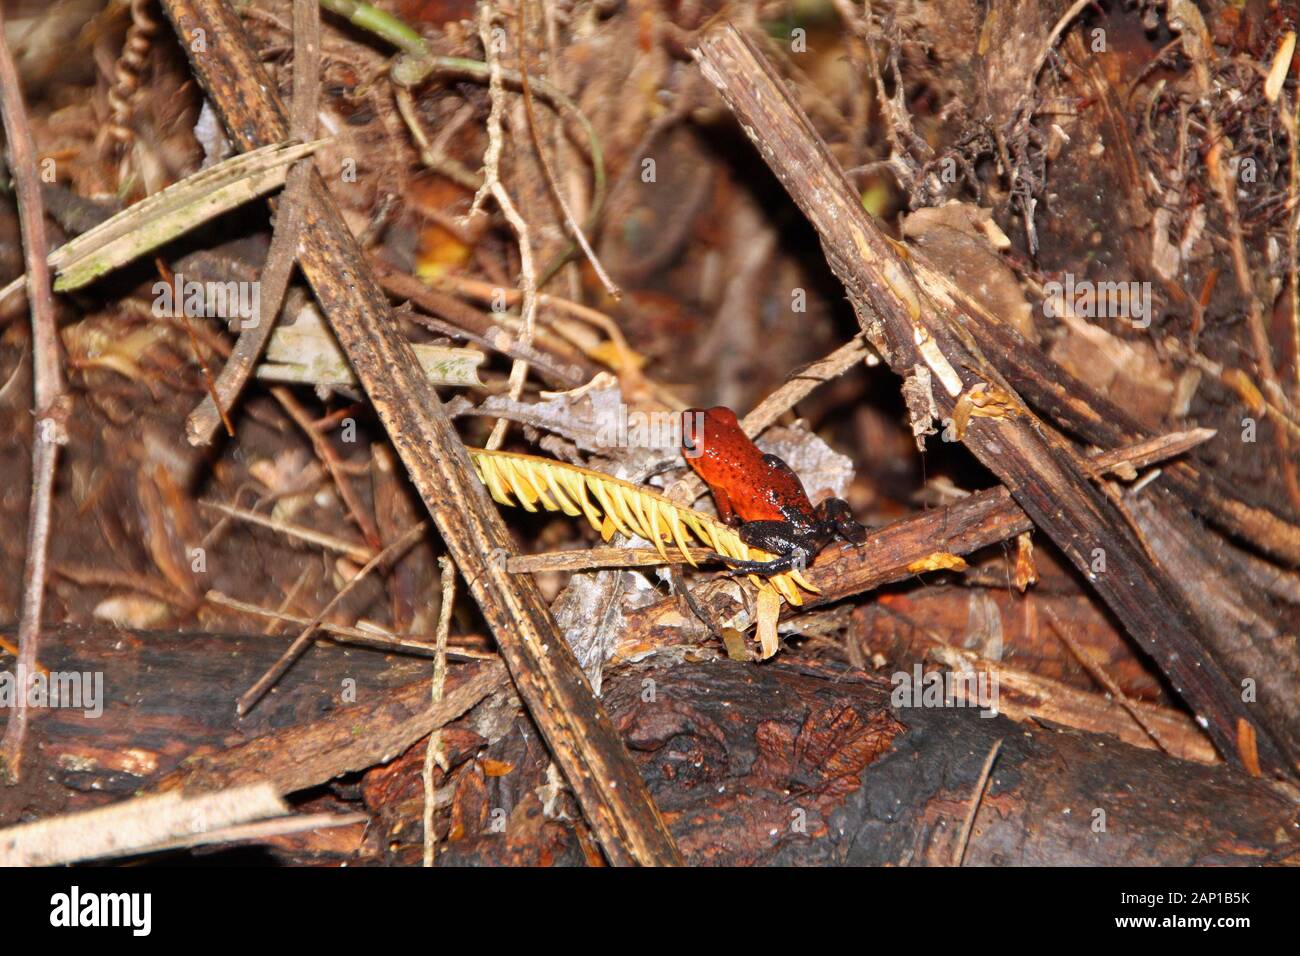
(794, 545)
(835, 514)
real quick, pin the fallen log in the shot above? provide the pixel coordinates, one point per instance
(169, 695)
(794, 763)
(789, 764)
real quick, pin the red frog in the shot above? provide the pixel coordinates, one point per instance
(762, 494)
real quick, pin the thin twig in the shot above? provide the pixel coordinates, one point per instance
(276, 670)
(51, 402)
(1065, 19)
(213, 410)
(291, 596)
(357, 552)
(628, 363)
(431, 154)
(574, 227)
(433, 752)
(552, 359)
(587, 559)
(959, 854)
(325, 452)
(343, 634)
(1105, 680)
(492, 185)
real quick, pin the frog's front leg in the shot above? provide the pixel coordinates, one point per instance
(835, 514)
(726, 512)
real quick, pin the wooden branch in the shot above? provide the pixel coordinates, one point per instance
(134, 826)
(1251, 637)
(281, 256)
(918, 334)
(569, 716)
(159, 697)
(1026, 697)
(589, 559)
(47, 376)
(306, 755)
(558, 365)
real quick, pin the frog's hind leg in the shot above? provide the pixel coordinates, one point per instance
(793, 546)
(777, 565)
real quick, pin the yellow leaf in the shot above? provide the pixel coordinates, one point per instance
(608, 353)
(769, 606)
(939, 561)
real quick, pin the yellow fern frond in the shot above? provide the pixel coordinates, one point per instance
(610, 504)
